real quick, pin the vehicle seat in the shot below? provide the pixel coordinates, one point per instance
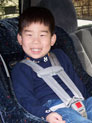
(82, 40)
(12, 53)
(65, 17)
(10, 110)
(9, 47)
(64, 13)
(65, 42)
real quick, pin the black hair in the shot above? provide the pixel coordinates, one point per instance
(36, 14)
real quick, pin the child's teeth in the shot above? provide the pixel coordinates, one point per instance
(35, 49)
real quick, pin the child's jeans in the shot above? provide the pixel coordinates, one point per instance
(70, 115)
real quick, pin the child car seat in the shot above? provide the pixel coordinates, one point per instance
(65, 18)
(12, 53)
(68, 21)
(10, 110)
(64, 13)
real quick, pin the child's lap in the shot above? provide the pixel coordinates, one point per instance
(70, 115)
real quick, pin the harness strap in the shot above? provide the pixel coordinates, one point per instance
(54, 85)
(44, 74)
(47, 73)
(56, 69)
(65, 78)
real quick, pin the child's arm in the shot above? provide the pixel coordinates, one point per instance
(54, 118)
(23, 88)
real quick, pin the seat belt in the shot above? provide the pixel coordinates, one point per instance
(65, 78)
(56, 69)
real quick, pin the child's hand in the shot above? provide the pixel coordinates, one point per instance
(54, 118)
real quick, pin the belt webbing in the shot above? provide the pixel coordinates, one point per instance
(65, 78)
(46, 75)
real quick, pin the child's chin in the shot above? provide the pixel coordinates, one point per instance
(36, 57)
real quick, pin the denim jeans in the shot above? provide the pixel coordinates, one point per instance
(70, 115)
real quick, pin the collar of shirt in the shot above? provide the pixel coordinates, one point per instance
(39, 60)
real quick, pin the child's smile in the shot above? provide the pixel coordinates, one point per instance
(36, 50)
(36, 40)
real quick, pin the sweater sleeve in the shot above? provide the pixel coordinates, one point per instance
(23, 89)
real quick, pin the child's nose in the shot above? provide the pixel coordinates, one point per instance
(36, 40)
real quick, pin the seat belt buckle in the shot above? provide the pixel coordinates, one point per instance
(79, 107)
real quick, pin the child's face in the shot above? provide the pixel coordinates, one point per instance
(36, 40)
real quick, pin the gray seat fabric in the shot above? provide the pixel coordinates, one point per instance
(90, 29)
(82, 40)
(65, 17)
(64, 13)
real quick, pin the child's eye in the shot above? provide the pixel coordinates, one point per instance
(42, 35)
(29, 35)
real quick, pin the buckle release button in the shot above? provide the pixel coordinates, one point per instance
(78, 104)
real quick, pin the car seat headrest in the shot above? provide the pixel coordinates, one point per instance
(64, 13)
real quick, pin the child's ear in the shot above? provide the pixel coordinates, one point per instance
(53, 39)
(19, 38)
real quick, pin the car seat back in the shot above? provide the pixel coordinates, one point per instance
(82, 40)
(65, 42)
(10, 110)
(9, 47)
(65, 17)
(64, 13)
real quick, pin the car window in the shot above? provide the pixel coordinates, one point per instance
(9, 8)
(83, 10)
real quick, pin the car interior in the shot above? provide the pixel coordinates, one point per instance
(75, 42)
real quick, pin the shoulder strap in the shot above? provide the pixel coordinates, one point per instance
(65, 78)
(47, 73)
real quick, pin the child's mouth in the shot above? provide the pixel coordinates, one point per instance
(36, 50)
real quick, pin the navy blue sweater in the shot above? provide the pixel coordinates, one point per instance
(32, 92)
